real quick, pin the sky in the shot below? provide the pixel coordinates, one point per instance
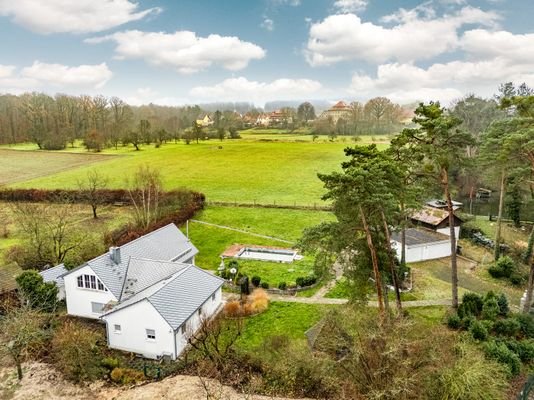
(175, 52)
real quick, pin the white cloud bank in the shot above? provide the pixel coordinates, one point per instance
(418, 35)
(73, 16)
(241, 89)
(183, 50)
(41, 75)
(349, 6)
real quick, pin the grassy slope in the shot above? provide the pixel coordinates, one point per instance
(281, 172)
(280, 319)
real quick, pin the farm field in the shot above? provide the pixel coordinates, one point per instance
(240, 170)
(16, 166)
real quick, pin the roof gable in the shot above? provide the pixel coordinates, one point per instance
(54, 274)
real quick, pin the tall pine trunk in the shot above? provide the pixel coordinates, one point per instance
(374, 259)
(454, 262)
(528, 300)
(497, 249)
(392, 268)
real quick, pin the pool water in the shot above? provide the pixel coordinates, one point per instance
(264, 254)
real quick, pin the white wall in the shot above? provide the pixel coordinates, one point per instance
(79, 299)
(208, 310)
(447, 231)
(60, 291)
(134, 320)
(428, 251)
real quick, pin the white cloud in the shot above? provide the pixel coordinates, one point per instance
(267, 24)
(40, 75)
(241, 89)
(183, 50)
(349, 6)
(75, 16)
(417, 35)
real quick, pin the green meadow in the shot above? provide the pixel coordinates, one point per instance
(281, 172)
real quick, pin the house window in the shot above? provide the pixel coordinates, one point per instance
(97, 307)
(151, 334)
(117, 328)
(90, 282)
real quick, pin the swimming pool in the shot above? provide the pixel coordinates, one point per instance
(266, 254)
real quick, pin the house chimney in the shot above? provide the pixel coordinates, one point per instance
(115, 254)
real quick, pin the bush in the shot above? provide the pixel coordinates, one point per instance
(110, 363)
(282, 286)
(496, 272)
(504, 267)
(527, 324)
(471, 305)
(468, 321)
(454, 322)
(524, 349)
(490, 309)
(516, 279)
(502, 301)
(76, 353)
(498, 351)
(306, 280)
(126, 376)
(478, 331)
(232, 308)
(256, 280)
(264, 285)
(507, 327)
(36, 292)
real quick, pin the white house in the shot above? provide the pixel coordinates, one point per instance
(422, 244)
(100, 281)
(55, 274)
(157, 320)
(148, 292)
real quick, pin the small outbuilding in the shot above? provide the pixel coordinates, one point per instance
(436, 219)
(422, 244)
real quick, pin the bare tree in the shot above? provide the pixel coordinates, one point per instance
(91, 189)
(145, 191)
(22, 334)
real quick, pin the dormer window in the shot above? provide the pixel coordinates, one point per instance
(90, 282)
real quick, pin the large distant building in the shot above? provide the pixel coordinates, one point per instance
(337, 111)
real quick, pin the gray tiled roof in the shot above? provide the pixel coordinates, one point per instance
(179, 296)
(418, 236)
(54, 274)
(142, 273)
(167, 243)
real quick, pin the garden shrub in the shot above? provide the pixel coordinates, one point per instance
(264, 285)
(468, 321)
(478, 331)
(126, 376)
(282, 286)
(232, 308)
(507, 327)
(527, 324)
(110, 363)
(524, 349)
(471, 305)
(504, 267)
(256, 280)
(516, 279)
(36, 292)
(490, 309)
(502, 301)
(454, 321)
(306, 280)
(495, 271)
(76, 352)
(500, 352)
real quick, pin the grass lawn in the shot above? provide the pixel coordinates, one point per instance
(274, 273)
(517, 237)
(280, 319)
(233, 170)
(280, 223)
(17, 166)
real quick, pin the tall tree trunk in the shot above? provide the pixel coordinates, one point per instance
(403, 233)
(528, 300)
(392, 268)
(454, 264)
(374, 258)
(530, 245)
(95, 216)
(497, 249)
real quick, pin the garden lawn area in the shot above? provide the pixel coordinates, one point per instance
(517, 237)
(280, 223)
(285, 173)
(273, 273)
(281, 319)
(18, 166)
